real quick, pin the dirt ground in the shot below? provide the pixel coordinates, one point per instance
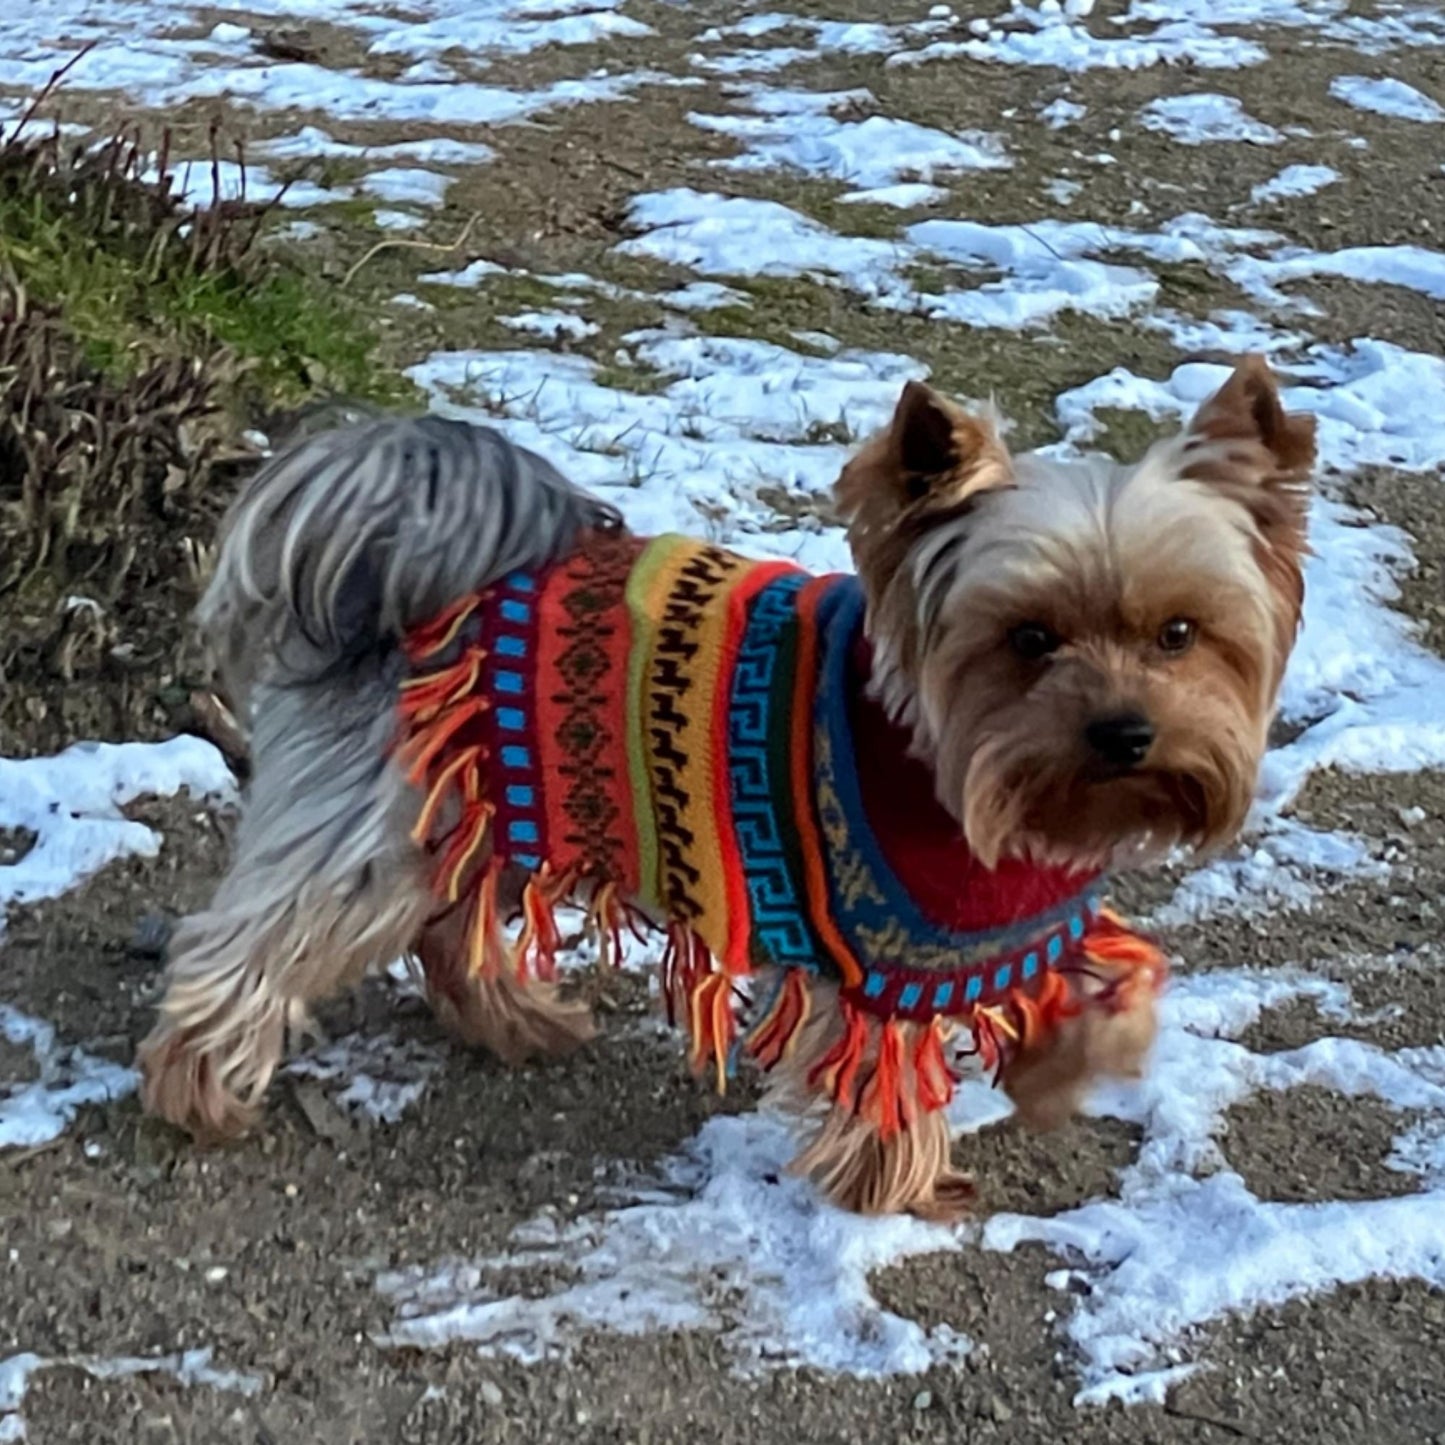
(121, 1239)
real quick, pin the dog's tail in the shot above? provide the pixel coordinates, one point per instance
(348, 537)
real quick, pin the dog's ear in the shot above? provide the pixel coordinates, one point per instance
(1243, 441)
(943, 452)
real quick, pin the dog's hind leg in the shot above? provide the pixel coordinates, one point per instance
(514, 1019)
(324, 882)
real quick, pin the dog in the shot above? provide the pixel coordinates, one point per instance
(872, 812)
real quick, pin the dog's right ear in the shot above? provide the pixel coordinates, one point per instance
(944, 453)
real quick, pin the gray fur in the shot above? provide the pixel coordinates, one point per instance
(337, 546)
(348, 537)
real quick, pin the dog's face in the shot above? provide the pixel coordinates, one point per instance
(1088, 653)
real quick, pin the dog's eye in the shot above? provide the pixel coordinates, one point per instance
(1177, 635)
(1032, 640)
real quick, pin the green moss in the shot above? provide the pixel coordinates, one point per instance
(138, 278)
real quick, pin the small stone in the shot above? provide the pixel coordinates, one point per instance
(923, 1400)
(491, 1394)
(1000, 1413)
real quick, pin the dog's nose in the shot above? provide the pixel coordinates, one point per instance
(1123, 740)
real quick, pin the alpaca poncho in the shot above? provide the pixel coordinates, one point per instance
(669, 732)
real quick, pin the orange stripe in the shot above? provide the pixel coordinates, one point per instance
(604, 568)
(814, 854)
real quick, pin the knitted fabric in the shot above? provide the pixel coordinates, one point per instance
(668, 732)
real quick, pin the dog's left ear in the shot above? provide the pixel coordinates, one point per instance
(1244, 441)
(943, 452)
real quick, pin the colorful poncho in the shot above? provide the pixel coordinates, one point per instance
(666, 731)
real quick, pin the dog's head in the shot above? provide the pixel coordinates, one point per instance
(1088, 653)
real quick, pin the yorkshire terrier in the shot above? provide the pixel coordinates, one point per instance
(871, 812)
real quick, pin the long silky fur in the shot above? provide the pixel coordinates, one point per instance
(335, 548)
(346, 538)
(845, 1156)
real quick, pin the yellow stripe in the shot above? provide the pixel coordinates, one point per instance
(681, 720)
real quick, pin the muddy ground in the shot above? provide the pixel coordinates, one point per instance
(122, 1240)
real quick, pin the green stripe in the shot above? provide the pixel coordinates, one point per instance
(641, 582)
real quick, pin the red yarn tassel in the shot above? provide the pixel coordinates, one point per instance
(836, 1072)
(537, 945)
(776, 1031)
(930, 1067)
(883, 1100)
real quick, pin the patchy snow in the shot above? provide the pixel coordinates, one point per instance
(1061, 113)
(1186, 1242)
(406, 186)
(36, 1110)
(796, 130)
(551, 325)
(311, 143)
(741, 236)
(1389, 97)
(1294, 182)
(189, 1369)
(72, 802)
(1060, 37)
(906, 196)
(722, 1240)
(381, 1077)
(735, 416)
(1199, 119)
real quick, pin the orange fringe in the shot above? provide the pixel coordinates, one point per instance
(712, 1025)
(775, 1032)
(537, 945)
(431, 637)
(930, 1068)
(420, 750)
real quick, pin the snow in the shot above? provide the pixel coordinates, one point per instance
(722, 1240)
(795, 130)
(1186, 1242)
(1294, 182)
(718, 1238)
(1388, 97)
(35, 1111)
(382, 1077)
(72, 802)
(189, 1369)
(1199, 119)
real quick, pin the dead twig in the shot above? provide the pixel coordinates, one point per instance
(47, 90)
(396, 243)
